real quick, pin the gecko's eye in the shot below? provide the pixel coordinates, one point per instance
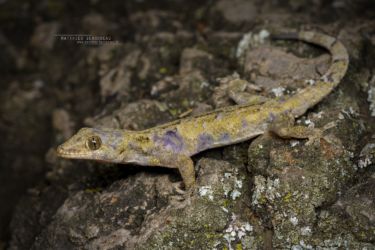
(93, 142)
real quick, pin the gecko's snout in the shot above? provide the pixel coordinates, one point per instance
(60, 150)
(65, 152)
(68, 151)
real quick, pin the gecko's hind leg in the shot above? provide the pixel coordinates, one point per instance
(237, 92)
(284, 127)
(185, 166)
(178, 188)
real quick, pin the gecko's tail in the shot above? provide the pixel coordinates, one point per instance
(311, 95)
(339, 54)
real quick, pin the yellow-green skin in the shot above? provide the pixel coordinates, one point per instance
(172, 144)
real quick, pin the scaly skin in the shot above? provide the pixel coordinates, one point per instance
(172, 144)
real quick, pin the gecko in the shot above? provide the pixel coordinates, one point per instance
(173, 144)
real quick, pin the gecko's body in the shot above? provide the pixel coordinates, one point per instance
(173, 144)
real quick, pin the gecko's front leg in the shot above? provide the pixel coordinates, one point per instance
(186, 167)
(183, 163)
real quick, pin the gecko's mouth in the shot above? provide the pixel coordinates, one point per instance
(62, 152)
(74, 154)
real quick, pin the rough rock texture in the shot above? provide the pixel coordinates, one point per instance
(173, 59)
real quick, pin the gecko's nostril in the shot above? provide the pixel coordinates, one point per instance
(60, 150)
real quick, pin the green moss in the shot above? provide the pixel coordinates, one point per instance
(287, 197)
(226, 203)
(239, 246)
(210, 235)
(174, 112)
(262, 200)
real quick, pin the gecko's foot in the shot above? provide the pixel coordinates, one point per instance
(178, 188)
(333, 140)
(315, 138)
(176, 198)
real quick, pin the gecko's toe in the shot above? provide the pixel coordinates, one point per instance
(315, 138)
(313, 141)
(333, 140)
(176, 198)
(178, 188)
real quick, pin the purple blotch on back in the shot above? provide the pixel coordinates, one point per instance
(171, 140)
(225, 137)
(271, 117)
(204, 141)
(244, 123)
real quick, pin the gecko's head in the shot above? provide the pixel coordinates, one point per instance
(93, 144)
